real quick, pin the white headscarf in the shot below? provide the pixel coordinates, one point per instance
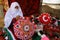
(12, 13)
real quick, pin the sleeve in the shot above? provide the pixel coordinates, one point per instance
(7, 19)
(7, 22)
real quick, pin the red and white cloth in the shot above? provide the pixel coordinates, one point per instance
(44, 37)
(45, 18)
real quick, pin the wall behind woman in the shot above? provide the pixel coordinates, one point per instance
(5, 6)
(52, 7)
(1, 14)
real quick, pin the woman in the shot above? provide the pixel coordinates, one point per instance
(13, 12)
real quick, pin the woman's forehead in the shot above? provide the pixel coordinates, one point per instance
(16, 7)
(14, 4)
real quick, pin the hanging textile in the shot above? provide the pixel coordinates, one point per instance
(28, 7)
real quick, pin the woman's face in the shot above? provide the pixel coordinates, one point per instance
(16, 7)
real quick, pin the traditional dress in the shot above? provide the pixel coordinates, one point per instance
(10, 15)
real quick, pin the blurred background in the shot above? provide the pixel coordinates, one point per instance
(33, 7)
(52, 7)
(3, 9)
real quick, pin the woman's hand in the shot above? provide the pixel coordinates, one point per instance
(17, 17)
